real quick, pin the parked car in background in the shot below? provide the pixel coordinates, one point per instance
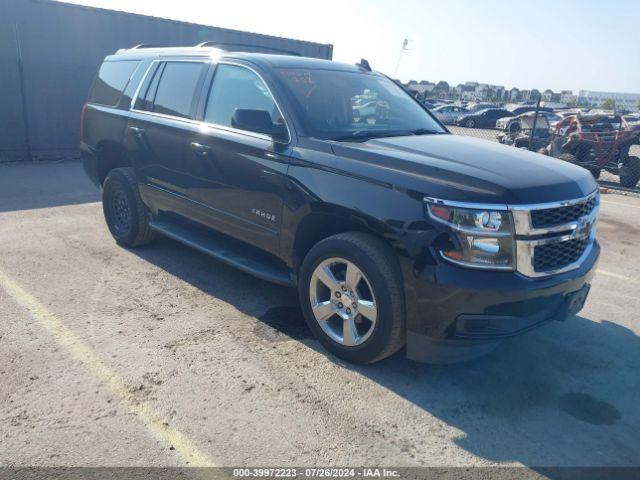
(513, 124)
(633, 120)
(597, 142)
(532, 133)
(370, 110)
(476, 107)
(528, 108)
(449, 114)
(486, 118)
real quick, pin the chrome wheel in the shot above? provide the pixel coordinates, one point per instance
(342, 302)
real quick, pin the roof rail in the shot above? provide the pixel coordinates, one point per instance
(246, 45)
(143, 45)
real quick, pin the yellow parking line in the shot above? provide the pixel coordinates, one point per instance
(620, 204)
(116, 384)
(618, 276)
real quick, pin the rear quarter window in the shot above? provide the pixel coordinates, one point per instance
(111, 81)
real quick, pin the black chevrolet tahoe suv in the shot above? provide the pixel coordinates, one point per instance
(332, 179)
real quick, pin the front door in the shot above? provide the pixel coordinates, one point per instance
(238, 175)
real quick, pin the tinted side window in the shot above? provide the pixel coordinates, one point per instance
(112, 78)
(176, 88)
(236, 88)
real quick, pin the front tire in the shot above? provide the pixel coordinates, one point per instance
(630, 172)
(352, 296)
(469, 123)
(126, 215)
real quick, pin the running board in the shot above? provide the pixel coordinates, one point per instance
(227, 250)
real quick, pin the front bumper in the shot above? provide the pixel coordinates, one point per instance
(452, 306)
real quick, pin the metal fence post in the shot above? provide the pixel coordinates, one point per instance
(535, 123)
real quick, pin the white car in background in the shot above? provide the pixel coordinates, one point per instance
(512, 124)
(449, 114)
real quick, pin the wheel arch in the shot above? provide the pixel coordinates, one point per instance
(324, 220)
(110, 155)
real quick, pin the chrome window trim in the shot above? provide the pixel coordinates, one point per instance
(237, 130)
(134, 97)
(168, 117)
(526, 237)
(203, 123)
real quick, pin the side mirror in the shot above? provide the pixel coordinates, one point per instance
(258, 121)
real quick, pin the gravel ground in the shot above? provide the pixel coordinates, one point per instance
(162, 356)
(606, 179)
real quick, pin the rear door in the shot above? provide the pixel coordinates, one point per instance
(156, 135)
(238, 175)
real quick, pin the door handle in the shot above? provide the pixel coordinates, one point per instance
(138, 132)
(200, 149)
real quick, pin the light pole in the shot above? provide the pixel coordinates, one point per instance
(405, 46)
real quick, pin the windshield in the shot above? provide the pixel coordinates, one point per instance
(340, 105)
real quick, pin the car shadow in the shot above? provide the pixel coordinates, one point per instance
(27, 186)
(563, 395)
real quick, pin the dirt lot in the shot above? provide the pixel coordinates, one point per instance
(162, 356)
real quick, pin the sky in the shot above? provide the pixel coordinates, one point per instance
(557, 44)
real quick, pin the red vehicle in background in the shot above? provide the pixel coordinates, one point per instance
(597, 142)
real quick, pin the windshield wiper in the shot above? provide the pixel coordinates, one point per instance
(367, 134)
(426, 131)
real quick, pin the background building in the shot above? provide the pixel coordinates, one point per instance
(627, 101)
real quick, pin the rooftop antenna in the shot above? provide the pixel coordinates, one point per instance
(364, 64)
(405, 46)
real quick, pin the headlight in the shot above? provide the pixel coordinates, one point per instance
(482, 238)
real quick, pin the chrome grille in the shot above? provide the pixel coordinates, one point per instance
(554, 238)
(554, 256)
(551, 217)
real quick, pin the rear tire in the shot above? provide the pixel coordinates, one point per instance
(469, 123)
(380, 287)
(630, 172)
(126, 215)
(595, 172)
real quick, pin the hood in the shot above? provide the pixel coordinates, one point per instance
(462, 168)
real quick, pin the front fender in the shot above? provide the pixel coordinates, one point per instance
(395, 214)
